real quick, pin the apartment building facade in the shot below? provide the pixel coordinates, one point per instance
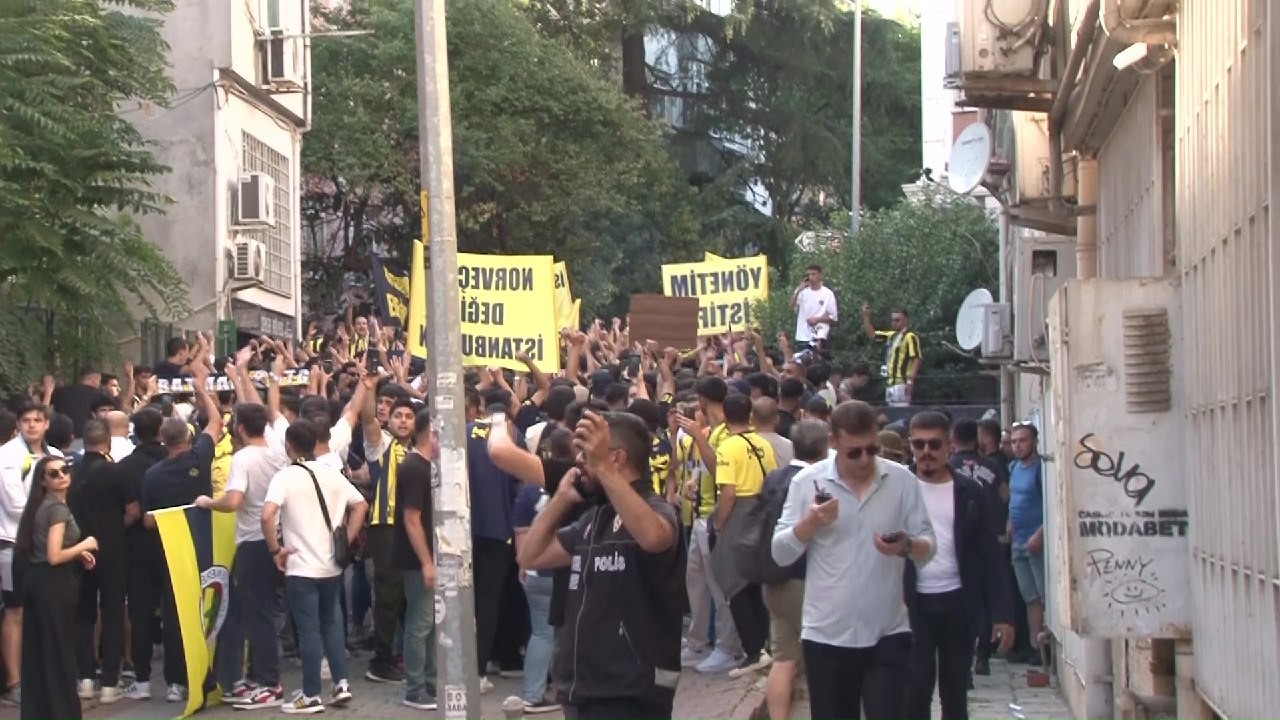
(1159, 136)
(233, 139)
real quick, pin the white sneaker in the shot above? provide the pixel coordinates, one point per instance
(138, 691)
(176, 693)
(84, 689)
(111, 695)
(486, 687)
(691, 658)
(717, 662)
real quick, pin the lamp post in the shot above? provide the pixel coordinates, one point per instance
(855, 173)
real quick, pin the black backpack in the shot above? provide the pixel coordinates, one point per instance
(752, 552)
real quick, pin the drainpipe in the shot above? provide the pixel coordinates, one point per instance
(1007, 387)
(1087, 218)
(1066, 86)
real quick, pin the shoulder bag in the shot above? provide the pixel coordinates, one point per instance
(342, 554)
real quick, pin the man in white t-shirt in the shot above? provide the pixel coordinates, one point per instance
(313, 579)
(815, 308)
(259, 433)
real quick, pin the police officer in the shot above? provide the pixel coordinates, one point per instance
(625, 607)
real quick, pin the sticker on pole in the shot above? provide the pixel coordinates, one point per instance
(455, 702)
(439, 610)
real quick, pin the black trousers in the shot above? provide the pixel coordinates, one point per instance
(942, 650)
(50, 600)
(657, 708)
(490, 559)
(150, 591)
(513, 622)
(102, 590)
(388, 592)
(751, 618)
(865, 682)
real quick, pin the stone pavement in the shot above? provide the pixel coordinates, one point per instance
(1003, 695)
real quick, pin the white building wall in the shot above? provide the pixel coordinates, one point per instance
(201, 137)
(1228, 179)
(1130, 187)
(937, 104)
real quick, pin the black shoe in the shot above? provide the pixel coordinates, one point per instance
(384, 672)
(982, 667)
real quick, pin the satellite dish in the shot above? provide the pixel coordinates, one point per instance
(970, 319)
(970, 157)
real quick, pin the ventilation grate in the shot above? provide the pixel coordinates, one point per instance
(1148, 366)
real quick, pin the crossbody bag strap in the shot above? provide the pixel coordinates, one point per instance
(324, 509)
(755, 454)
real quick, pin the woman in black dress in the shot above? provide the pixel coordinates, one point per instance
(51, 551)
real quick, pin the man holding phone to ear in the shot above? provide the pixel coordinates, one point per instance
(855, 516)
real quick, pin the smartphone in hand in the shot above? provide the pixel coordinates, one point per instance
(893, 537)
(820, 496)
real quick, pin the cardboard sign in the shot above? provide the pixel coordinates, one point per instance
(669, 321)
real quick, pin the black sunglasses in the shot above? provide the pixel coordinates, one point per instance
(53, 473)
(856, 453)
(918, 444)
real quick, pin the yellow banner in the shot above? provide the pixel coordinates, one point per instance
(564, 299)
(417, 330)
(199, 547)
(711, 257)
(725, 289)
(508, 309)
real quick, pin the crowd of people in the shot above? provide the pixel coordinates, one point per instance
(733, 509)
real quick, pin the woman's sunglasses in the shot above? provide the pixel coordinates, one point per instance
(856, 453)
(934, 444)
(55, 473)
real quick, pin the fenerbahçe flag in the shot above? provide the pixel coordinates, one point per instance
(199, 546)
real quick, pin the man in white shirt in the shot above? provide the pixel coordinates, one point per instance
(313, 578)
(18, 458)
(854, 516)
(946, 597)
(249, 617)
(815, 308)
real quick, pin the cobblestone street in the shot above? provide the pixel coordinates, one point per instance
(1003, 694)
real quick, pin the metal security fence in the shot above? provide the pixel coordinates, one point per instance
(1228, 118)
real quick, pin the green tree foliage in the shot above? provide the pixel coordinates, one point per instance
(784, 85)
(924, 256)
(548, 157)
(73, 263)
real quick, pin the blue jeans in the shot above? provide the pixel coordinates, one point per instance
(250, 616)
(313, 602)
(537, 653)
(419, 635)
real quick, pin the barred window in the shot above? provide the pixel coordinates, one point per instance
(260, 157)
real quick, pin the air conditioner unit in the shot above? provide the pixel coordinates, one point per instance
(998, 37)
(997, 332)
(256, 200)
(1033, 164)
(250, 261)
(281, 61)
(1042, 263)
(1120, 491)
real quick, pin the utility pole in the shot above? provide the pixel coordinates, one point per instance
(458, 680)
(855, 173)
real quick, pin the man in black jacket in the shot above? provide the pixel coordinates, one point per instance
(621, 651)
(947, 596)
(145, 561)
(967, 461)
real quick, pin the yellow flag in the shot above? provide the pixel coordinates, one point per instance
(417, 330)
(199, 547)
(564, 298)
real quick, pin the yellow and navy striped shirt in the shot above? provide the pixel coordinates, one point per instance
(220, 469)
(382, 476)
(903, 347)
